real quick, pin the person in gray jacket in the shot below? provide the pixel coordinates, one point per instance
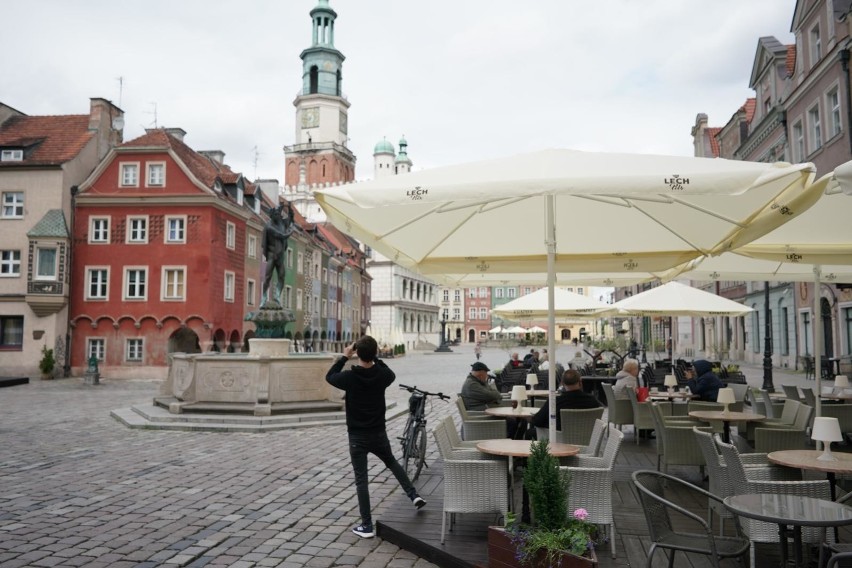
(476, 393)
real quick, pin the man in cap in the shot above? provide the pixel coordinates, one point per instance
(476, 393)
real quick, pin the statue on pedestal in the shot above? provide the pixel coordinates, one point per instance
(274, 245)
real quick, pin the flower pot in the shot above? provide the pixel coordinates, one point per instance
(501, 554)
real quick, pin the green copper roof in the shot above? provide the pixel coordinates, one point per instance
(51, 225)
(384, 147)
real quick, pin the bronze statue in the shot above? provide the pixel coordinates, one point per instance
(274, 245)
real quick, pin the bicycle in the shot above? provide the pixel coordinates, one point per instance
(413, 437)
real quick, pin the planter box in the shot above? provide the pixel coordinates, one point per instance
(501, 553)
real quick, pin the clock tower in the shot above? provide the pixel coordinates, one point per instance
(320, 153)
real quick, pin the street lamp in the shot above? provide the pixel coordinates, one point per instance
(767, 343)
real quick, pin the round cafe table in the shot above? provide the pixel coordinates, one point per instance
(726, 418)
(524, 413)
(521, 449)
(807, 459)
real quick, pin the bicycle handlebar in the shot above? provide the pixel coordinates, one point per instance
(440, 395)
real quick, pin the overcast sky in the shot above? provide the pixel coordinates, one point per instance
(462, 80)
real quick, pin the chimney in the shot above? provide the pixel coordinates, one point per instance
(217, 156)
(178, 133)
(108, 121)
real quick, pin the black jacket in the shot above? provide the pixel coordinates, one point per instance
(566, 399)
(365, 393)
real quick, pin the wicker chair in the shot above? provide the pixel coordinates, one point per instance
(676, 441)
(619, 411)
(453, 433)
(577, 424)
(484, 429)
(642, 419)
(740, 391)
(446, 449)
(591, 484)
(787, 418)
(590, 450)
(809, 397)
(743, 482)
(467, 415)
(474, 486)
(792, 392)
(780, 437)
(836, 550)
(665, 517)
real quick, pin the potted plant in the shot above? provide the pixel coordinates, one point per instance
(47, 363)
(555, 538)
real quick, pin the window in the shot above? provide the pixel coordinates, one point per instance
(483, 313)
(174, 283)
(230, 235)
(446, 295)
(97, 283)
(13, 204)
(471, 292)
(12, 155)
(10, 263)
(512, 292)
(175, 229)
(252, 247)
(133, 351)
(289, 258)
(816, 45)
(46, 264)
(785, 333)
(288, 297)
(457, 295)
(847, 318)
(299, 299)
(580, 290)
(806, 340)
(156, 174)
(135, 280)
(12, 333)
(456, 313)
(229, 286)
(95, 347)
(324, 312)
(99, 230)
(483, 292)
(137, 230)
(755, 331)
(300, 263)
(832, 100)
(498, 292)
(798, 142)
(471, 313)
(250, 291)
(527, 290)
(815, 129)
(325, 276)
(129, 175)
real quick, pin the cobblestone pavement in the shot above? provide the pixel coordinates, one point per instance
(79, 489)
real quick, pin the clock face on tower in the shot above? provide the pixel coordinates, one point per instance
(310, 117)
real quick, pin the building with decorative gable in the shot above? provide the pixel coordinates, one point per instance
(167, 257)
(42, 160)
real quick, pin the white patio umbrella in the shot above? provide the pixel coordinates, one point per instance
(560, 211)
(535, 305)
(516, 329)
(676, 299)
(815, 246)
(536, 329)
(498, 329)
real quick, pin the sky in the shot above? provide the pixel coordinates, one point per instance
(461, 80)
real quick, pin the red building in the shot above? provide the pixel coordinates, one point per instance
(167, 257)
(477, 313)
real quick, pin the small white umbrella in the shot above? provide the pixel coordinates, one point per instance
(535, 305)
(537, 329)
(516, 329)
(676, 299)
(498, 329)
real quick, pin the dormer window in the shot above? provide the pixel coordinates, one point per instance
(14, 155)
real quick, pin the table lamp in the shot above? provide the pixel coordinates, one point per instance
(532, 380)
(726, 397)
(826, 430)
(670, 382)
(840, 382)
(519, 395)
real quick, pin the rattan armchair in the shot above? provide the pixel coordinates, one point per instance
(787, 418)
(591, 484)
(619, 411)
(484, 429)
(676, 441)
(446, 449)
(474, 486)
(745, 480)
(666, 521)
(642, 419)
(453, 433)
(792, 392)
(577, 424)
(779, 437)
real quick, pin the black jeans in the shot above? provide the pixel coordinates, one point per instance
(376, 443)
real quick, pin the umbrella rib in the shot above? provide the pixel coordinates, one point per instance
(666, 227)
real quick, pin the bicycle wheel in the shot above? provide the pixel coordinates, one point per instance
(405, 439)
(415, 456)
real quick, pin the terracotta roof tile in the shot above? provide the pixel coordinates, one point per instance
(791, 60)
(56, 139)
(714, 142)
(749, 108)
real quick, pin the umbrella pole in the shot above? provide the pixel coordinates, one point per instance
(550, 243)
(817, 319)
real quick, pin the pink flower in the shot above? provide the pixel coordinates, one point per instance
(581, 514)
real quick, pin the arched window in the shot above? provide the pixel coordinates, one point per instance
(314, 79)
(339, 83)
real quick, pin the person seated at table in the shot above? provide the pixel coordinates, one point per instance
(476, 393)
(571, 395)
(705, 383)
(529, 358)
(514, 362)
(543, 357)
(626, 378)
(579, 362)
